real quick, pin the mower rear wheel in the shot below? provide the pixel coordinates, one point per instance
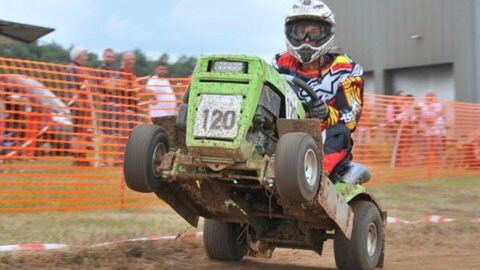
(224, 241)
(364, 248)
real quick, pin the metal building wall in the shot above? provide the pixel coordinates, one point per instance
(411, 32)
(389, 35)
(354, 33)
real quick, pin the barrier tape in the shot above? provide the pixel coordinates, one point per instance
(427, 219)
(397, 220)
(32, 247)
(48, 246)
(27, 143)
(37, 247)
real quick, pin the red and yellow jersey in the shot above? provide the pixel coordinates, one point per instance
(339, 82)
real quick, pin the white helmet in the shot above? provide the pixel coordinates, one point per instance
(312, 19)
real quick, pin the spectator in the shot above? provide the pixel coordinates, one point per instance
(394, 109)
(2, 130)
(107, 65)
(418, 145)
(129, 79)
(363, 135)
(79, 103)
(126, 99)
(404, 135)
(471, 152)
(110, 120)
(164, 99)
(433, 119)
(14, 133)
(3, 118)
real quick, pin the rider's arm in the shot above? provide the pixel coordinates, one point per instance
(348, 103)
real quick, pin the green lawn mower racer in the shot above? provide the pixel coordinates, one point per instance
(242, 154)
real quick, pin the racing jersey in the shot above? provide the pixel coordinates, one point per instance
(339, 82)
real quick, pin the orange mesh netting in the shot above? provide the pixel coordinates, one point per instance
(63, 132)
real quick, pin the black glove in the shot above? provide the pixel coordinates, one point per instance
(318, 109)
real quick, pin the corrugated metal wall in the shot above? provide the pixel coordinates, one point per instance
(389, 35)
(409, 32)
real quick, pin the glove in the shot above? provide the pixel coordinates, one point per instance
(318, 109)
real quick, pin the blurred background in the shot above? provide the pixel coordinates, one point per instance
(56, 113)
(63, 128)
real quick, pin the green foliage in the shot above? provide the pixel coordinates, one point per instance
(51, 52)
(163, 59)
(183, 67)
(55, 53)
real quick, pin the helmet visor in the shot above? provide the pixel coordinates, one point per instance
(306, 31)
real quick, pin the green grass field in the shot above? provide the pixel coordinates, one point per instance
(453, 198)
(442, 246)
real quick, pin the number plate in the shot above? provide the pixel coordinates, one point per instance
(218, 116)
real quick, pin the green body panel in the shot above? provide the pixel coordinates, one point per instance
(247, 85)
(349, 191)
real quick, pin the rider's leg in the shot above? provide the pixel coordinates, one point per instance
(337, 148)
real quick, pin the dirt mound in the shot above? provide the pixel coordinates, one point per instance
(420, 246)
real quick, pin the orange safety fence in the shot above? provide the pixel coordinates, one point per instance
(63, 133)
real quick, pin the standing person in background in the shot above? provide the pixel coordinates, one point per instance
(392, 112)
(127, 101)
(3, 118)
(401, 156)
(164, 99)
(433, 118)
(130, 99)
(107, 64)
(110, 117)
(79, 105)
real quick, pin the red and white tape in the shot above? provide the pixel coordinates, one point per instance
(25, 247)
(437, 219)
(31, 247)
(397, 220)
(427, 219)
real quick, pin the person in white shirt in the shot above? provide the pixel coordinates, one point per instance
(164, 100)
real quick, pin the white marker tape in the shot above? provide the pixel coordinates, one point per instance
(31, 247)
(437, 219)
(396, 220)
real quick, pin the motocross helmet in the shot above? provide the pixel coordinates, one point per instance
(310, 19)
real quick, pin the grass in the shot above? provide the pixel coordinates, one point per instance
(453, 198)
(84, 228)
(52, 184)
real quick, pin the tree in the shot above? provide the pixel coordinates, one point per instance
(183, 67)
(163, 58)
(55, 53)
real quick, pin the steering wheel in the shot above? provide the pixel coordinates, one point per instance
(303, 85)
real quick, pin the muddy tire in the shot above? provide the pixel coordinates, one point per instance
(297, 167)
(224, 241)
(146, 146)
(364, 248)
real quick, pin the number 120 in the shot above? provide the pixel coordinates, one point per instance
(219, 119)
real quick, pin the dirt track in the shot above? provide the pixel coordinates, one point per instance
(422, 246)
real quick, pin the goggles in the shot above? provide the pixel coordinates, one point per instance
(298, 32)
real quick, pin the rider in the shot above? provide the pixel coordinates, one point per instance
(336, 79)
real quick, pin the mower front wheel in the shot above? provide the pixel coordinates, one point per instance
(297, 167)
(146, 146)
